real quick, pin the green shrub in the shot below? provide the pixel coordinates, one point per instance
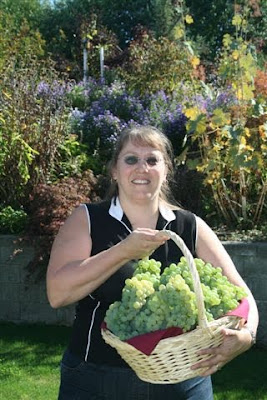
(156, 64)
(13, 221)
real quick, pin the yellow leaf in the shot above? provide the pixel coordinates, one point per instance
(7, 95)
(215, 175)
(262, 132)
(249, 148)
(201, 126)
(217, 148)
(237, 20)
(247, 132)
(192, 112)
(243, 141)
(189, 19)
(235, 54)
(227, 40)
(245, 92)
(62, 34)
(195, 61)
(178, 32)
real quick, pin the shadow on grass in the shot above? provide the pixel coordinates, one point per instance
(247, 372)
(33, 344)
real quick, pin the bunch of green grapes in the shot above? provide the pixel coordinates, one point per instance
(151, 266)
(152, 301)
(152, 316)
(121, 315)
(180, 301)
(148, 270)
(220, 295)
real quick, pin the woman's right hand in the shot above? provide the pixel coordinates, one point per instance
(73, 272)
(142, 242)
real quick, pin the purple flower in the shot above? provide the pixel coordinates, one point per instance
(78, 117)
(54, 91)
(43, 89)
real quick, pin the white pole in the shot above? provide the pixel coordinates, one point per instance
(85, 62)
(102, 63)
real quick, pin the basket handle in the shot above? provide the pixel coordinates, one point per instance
(202, 319)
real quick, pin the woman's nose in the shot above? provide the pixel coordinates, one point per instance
(142, 164)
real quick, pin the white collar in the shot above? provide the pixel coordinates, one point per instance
(116, 211)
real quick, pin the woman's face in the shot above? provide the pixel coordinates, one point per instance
(139, 172)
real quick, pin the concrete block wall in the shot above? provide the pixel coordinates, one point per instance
(251, 262)
(23, 302)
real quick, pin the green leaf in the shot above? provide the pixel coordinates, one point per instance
(197, 126)
(220, 118)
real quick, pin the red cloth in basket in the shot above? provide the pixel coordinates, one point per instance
(148, 341)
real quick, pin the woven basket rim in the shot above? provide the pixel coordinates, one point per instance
(214, 326)
(172, 356)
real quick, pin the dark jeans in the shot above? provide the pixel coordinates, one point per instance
(86, 381)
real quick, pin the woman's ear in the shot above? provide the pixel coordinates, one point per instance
(114, 174)
(166, 174)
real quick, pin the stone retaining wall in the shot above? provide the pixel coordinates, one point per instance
(24, 302)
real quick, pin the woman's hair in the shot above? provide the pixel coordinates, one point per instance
(145, 135)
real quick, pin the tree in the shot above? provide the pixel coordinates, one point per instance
(113, 24)
(21, 10)
(213, 19)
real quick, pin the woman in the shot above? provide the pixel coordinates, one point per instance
(94, 252)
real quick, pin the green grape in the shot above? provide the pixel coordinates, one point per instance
(211, 296)
(154, 279)
(151, 266)
(240, 293)
(172, 270)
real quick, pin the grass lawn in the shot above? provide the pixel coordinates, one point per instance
(29, 361)
(30, 357)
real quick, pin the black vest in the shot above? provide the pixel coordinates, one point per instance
(106, 231)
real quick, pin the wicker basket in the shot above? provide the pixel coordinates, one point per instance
(171, 359)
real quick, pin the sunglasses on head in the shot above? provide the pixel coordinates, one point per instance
(151, 161)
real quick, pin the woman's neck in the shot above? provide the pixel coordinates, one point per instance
(141, 215)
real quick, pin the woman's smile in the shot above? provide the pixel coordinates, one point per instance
(141, 181)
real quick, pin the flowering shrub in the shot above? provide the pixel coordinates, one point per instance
(33, 123)
(107, 109)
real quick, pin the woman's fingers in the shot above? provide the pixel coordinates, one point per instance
(142, 242)
(234, 343)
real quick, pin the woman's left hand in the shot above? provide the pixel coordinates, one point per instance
(234, 343)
